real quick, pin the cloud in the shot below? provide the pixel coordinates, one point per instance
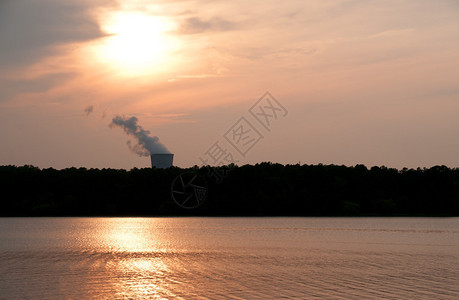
(88, 110)
(39, 84)
(196, 25)
(392, 33)
(30, 30)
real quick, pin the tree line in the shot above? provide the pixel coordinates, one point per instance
(265, 189)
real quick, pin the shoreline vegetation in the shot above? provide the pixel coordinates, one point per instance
(265, 189)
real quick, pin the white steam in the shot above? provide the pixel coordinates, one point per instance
(145, 144)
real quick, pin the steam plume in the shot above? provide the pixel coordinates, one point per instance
(146, 144)
(89, 109)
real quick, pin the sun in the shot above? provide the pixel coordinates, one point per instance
(137, 43)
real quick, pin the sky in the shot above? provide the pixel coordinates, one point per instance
(341, 82)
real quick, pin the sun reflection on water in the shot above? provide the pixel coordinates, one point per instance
(237, 258)
(139, 268)
(129, 235)
(143, 277)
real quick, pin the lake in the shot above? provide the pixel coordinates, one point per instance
(237, 258)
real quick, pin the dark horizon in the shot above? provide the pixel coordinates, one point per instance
(264, 189)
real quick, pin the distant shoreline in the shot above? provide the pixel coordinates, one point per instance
(261, 190)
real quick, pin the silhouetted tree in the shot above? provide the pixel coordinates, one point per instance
(258, 190)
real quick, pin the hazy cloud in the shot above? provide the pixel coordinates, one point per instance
(196, 25)
(30, 29)
(40, 84)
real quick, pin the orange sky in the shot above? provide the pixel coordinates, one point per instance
(371, 82)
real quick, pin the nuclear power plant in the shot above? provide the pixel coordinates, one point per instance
(162, 160)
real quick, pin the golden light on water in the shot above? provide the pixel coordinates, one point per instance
(235, 258)
(140, 268)
(137, 43)
(129, 235)
(144, 277)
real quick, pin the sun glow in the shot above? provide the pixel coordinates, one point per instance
(137, 44)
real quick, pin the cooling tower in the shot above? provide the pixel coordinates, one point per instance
(162, 161)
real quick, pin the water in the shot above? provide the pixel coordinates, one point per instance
(237, 258)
